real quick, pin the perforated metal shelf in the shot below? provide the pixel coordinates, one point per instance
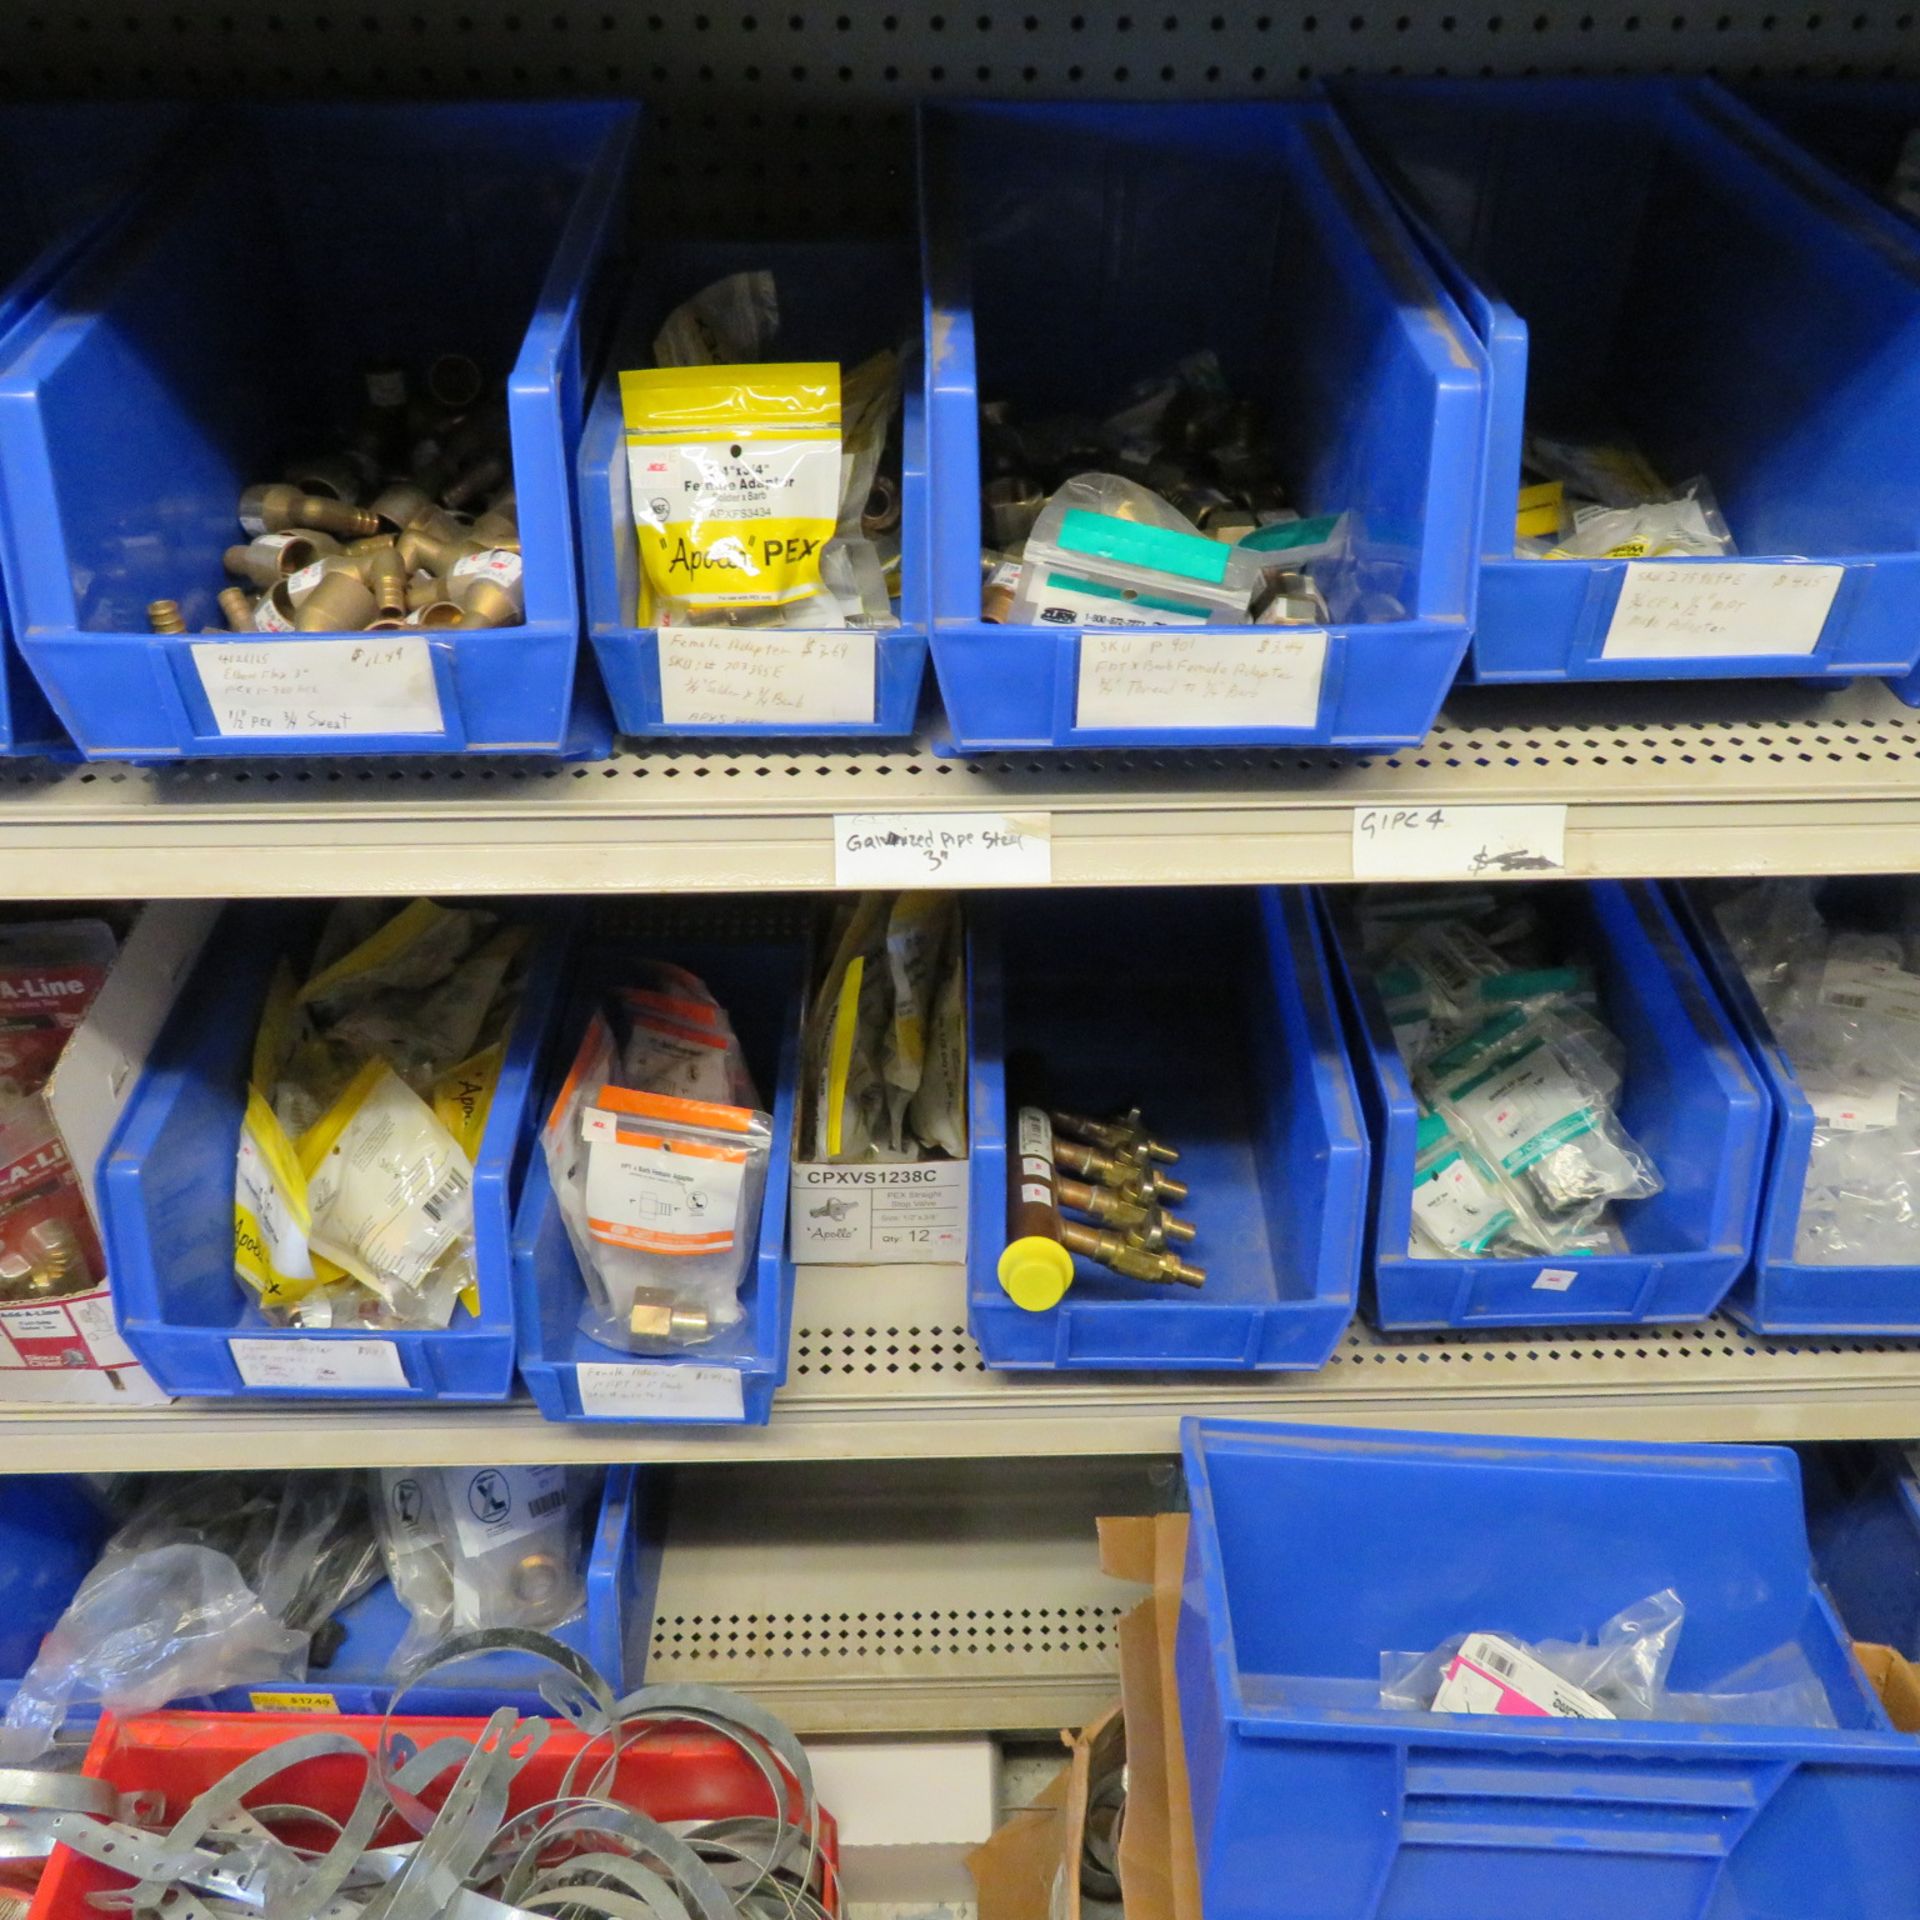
(884, 1369)
(1668, 780)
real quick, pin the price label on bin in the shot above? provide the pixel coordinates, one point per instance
(1457, 843)
(1712, 610)
(728, 676)
(324, 689)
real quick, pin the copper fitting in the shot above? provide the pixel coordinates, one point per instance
(237, 608)
(1127, 1137)
(1122, 1257)
(274, 508)
(341, 603)
(164, 616)
(386, 574)
(271, 558)
(881, 514)
(437, 613)
(1090, 1163)
(399, 507)
(484, 602)
(476, 478)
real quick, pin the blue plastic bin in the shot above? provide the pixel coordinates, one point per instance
(66, 172)
(166, 1185)
(613, 1629)
(1779, 1293)
(188, 354)
(1690, 1099)
(838, 301)
(1213, 1012)
(1075, 250)
(1314, 1550)
(51, 1533)
(1643, 254)
(759, 985)
(1863, 1517)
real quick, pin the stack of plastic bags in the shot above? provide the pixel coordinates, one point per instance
(371, 1083)
(1521, 1148)
(1844, 1001)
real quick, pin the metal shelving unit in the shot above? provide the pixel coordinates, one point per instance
(1683, 779)
(884, 1369)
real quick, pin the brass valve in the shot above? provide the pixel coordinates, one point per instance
(1109, 1170)
(1127, 1137)
(1114, 1208)
(1115, 1252)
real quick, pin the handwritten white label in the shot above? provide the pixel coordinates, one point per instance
(642, 1390)
(1160, 679)
(326, 1366)
(1457, 843)
(942, 849)
(723, 676)
(1705, 610)
(1554, 1279)
(281, 689)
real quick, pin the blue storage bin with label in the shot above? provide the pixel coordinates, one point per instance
(838, 301)
(167, 1182)
(1077, 250)
(1314, 1551)
(624, 1534)
(729, 1379)
(1690, 1099)
(1779, 1292)
(1863, 1516)
(67, 172)
(51, 1532)
(230, 330)
(1213, 1012)
(1647, 262)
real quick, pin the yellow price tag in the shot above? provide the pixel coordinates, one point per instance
(294, 1702)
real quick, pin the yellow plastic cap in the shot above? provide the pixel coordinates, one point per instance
(1035, 1272)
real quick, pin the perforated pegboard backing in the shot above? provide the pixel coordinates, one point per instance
(792, 115)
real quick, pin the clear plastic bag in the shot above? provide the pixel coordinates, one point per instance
(1621, 1675)
(1690, 523)
(1459, 1209)
(512, 1537)
(414, 1552)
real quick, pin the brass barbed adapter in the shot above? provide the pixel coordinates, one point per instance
(402, 505)
(1109, 1170)
(276, 507)
(264, 561)
(1127, 1137)
(1113, 1207)
(437, 613)
(164, 616)
(386, 575)
(236, 609)
(1122, 1257)
(341, 603)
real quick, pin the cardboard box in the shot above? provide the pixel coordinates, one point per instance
(1897, 1681)
(909, 1813)
(873, 1214)
(69, 1351)
(1017, 1870)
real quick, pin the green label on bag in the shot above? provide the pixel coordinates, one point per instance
(1192, 556)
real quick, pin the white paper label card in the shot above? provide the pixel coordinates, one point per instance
(1554, 1279)
(1154, 679)
(290, 689)
(324, 1366)
(1457, 843)
(942, 849)
(644, 1390)
(730, 676)
(1710, 610)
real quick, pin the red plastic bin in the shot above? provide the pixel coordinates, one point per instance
(672, 1774)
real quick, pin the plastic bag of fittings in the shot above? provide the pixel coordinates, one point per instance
(48, 1247)
(661, 1200)
(1108, 552)
(1534, 1095)
(1689, 523)
(734, 320)
(1460, 1209)
(1612, 472)
(1621, 1675)
(735, 480)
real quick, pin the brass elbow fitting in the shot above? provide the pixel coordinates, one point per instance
(237, 609)
(496, 529)
(271, 558)
(276, 507)
(424, 551)
(484, 602)
(437, 613)
(341, 603)
(398, 507)
(274, 614)
(164, 616)
(1122, 1257)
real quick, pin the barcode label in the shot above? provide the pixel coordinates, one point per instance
(1876, 988)
(444, 1196)
(544, 1503)
(1847, 1000)
(1498, 1661)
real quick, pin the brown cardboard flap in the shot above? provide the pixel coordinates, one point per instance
(1897, 1681)
(1014, 1872)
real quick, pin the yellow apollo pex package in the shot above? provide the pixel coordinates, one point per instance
(735, 477)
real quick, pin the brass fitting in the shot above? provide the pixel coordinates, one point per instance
(341, 603)
(398, 507)
(1126, 1137)
(1109, 1170)
(274, 611)
(386, 574)
(496, 529)
(302, 586)
(58, 1264)
(437, 613)
(424, 551)
(881, 514)
(386, 624)
(270, 559)
(274, 508)
(423, 593)
(484, 602)
(1113, 1208)
(164, 616)
(237, 608)
(657, 1315)
(1122, 1257)
(329, 476)
(371, 543)
(478, 477)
